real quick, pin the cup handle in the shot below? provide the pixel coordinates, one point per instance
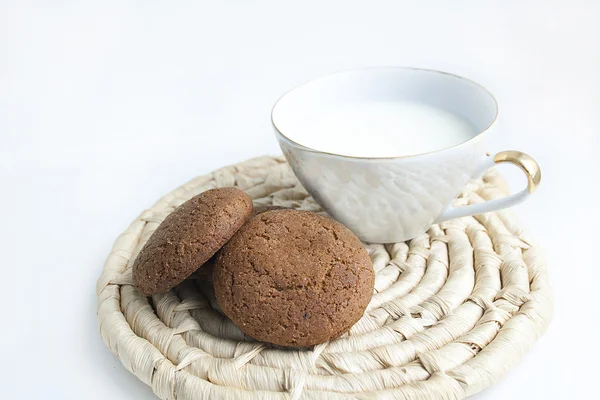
(523, 161)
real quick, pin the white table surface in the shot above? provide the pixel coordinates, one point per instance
(104, 107)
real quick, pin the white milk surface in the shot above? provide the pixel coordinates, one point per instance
(382, 129)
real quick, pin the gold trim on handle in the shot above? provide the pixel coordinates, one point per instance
(526, 163)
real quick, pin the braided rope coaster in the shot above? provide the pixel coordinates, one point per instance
(453, 310)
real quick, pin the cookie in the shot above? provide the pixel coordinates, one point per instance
(261, 209)
(188, 237)
(293, 278)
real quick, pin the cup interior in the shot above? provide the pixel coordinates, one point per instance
(295, 113)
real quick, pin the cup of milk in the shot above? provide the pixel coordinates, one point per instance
(386, 150)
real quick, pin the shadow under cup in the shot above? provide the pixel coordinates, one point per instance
(385, 198)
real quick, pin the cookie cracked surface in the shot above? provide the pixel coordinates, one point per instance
(188, 237)
(293, 278)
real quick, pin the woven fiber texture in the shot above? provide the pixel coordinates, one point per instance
(453, 310)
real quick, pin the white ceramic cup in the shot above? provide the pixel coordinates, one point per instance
(392, 199)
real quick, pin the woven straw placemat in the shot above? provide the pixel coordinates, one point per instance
(453, 310)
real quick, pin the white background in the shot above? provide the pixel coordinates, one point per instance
(106, 106)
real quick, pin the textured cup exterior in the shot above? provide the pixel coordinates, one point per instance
(385, 200)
